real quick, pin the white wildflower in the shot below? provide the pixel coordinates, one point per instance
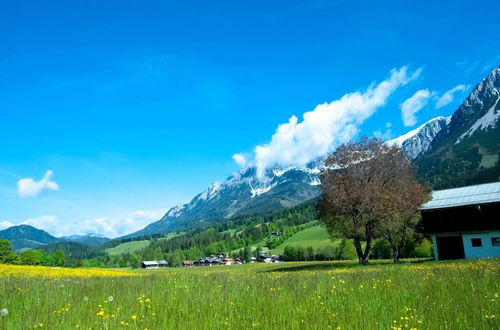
(4, 312)
(110, 298)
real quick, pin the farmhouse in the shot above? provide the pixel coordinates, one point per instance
(464, 222)
(154, 264)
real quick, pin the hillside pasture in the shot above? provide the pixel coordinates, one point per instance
(315, 237)
(135, 246)
(127, 247)
(295, 295)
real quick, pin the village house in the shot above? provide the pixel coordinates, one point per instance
(154, 264)
(464, 222)
(264, 257)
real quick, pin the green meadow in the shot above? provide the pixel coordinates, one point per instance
(316, 237)
(295, 295)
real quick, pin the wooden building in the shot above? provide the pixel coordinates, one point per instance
(464, 222)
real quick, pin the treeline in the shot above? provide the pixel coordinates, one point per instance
(415, 248)
(30, 257)
(462, 170)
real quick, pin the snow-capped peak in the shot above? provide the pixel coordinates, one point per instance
(418, 140)
(399, 141)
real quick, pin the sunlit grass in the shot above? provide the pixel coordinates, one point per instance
(321, 295)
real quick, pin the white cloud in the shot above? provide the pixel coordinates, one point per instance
(447, 97)
(412, 105)
(30, 188)
(5, 224)
(48, 223)
(327, 126)
(108, 226)
(240, 159)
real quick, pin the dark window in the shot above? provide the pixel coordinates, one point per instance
(495, 241)
(476, 242)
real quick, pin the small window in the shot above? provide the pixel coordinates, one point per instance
(495, 241)
(476, 242)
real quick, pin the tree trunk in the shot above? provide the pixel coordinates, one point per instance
(397, 249)
(395, 256)
(359, 250)
(368, 249)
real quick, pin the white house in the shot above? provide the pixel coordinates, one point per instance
(464, 222)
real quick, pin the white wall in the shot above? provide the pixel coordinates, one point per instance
(486, 250)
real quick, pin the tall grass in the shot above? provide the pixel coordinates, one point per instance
(336, 295)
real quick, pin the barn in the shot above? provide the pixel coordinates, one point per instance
(464, 222)
(154, 264)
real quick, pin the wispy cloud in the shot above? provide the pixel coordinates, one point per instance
(447, 97)
(240, 159)
(412, 105)
(328, 125)
(471, 67)
(30, 188)
(493, 63)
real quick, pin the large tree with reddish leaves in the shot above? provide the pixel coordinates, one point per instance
(370, 190)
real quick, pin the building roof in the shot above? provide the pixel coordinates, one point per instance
(150, 263)
(470, 195)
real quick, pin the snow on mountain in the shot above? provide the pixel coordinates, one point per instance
(243, 192)
(418, 140)
(489, 119)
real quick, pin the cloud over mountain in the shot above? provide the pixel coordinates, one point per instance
(30, 188)
(109, 226)
(297, 142)
(412, 105)
(447, 97)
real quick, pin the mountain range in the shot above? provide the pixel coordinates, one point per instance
(472, 131)
(24, 237)
(449, 151)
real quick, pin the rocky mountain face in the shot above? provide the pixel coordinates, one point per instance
(240, 194)
(244, 193)
(467, 150)
(419, 140)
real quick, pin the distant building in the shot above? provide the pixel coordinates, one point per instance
(464, 222)
(154, 264)
(162, 263)
(187, 263)
(264, 257)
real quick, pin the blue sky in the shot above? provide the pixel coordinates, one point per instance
(136, 107)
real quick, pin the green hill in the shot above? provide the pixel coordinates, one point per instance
(135, 246)
(132, 246)
(315, 236)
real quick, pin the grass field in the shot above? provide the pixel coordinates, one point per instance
(132, 246)
(313, 295)
(135, 246)
(315, 236)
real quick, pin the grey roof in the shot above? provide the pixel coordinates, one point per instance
(471, 195)
(150, 263)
